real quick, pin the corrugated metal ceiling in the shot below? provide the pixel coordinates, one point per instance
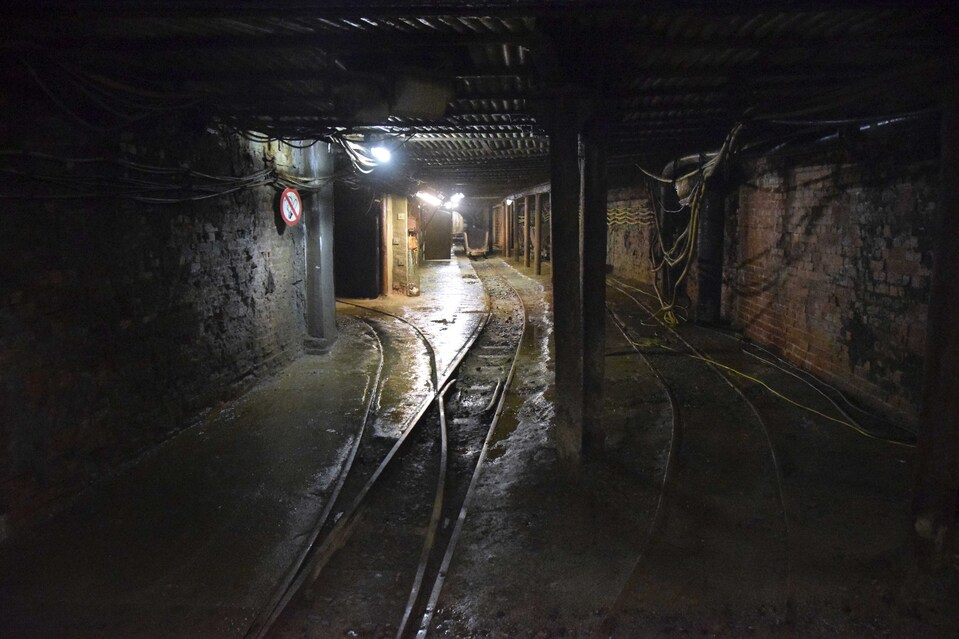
(672, 78)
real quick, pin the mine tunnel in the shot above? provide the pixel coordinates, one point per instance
(518, 318)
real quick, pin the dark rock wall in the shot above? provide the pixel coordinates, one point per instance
(121, 321)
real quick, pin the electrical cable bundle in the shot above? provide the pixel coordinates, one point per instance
(132, 180)
(107, 104)
(680, 253)
(142, 182)
(802, 375)
(359, 156)
(103, 98)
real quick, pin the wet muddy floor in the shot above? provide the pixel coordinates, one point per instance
(191, 541)
(732, 497)
(730, 513)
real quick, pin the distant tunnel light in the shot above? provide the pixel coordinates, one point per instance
(429, 198)
(457, 197)
(381, 153)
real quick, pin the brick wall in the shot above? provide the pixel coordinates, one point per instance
(828, 261)
(122, 321)
(627, 245)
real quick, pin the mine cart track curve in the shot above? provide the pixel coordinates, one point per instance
(627, 290)
(472, 404)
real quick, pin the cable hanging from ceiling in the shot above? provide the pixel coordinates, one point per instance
(101, 98)
(666, 256)
(101, 104)
(141, 182)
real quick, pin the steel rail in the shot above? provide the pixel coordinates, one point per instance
(419, 331)
(430, 538)
(764, 427)
(474, 480)
(659, 515)
(341, 532)
(264, 619)
(316, 557)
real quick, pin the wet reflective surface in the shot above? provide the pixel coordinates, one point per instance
(783, 526)
(191, 541)
(450, 305)
(387, 567)
(447, 312)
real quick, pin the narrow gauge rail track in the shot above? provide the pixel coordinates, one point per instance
(280, 595)
(368, 463)
(451, 453)
(789, 595)
(675, 441)
(491, 364)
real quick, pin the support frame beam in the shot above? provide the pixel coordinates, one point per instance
(936, 488)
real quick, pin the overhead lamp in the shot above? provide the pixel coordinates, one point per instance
(509, 201)
(429, 198)
(380, 153)
(456, 197)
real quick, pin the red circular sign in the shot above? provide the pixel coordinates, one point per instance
(291, 207)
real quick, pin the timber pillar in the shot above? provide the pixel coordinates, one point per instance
(936, 490)
(538, 232)
(709, 253)
(578, 209)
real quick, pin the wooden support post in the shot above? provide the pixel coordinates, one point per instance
(489, 236)
(565, 187)
(578, 226)
(709, 254)
(593, 143)
(937, 465)
(501, 220)
(514, 226)
(508, 224)
(386, 240)
(526, 213)
(538, 231)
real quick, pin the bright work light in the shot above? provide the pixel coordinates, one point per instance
(381, 153)
(429, 198)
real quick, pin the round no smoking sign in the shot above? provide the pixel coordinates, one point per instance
(291, 207)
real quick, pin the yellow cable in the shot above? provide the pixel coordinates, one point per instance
(843, 422)
(847, 424)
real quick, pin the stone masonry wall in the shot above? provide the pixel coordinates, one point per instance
(121, 321)
(828, 261)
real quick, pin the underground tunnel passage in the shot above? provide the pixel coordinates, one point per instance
(526, 318)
